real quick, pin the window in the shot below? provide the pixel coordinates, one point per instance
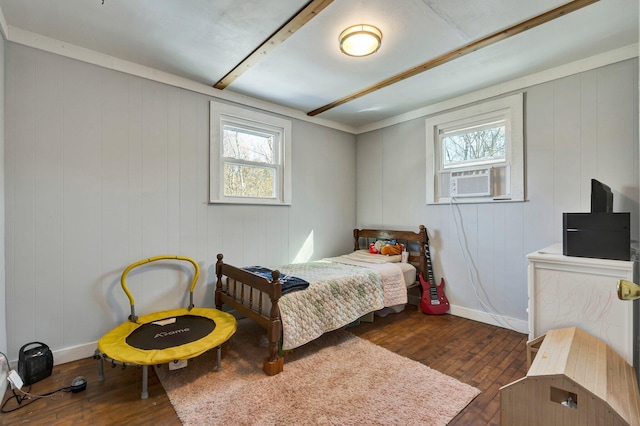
(250, 157)
(479, 143)
(476, 153)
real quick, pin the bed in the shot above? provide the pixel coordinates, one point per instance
(338, 290)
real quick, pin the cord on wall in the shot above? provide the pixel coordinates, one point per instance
(474, 275)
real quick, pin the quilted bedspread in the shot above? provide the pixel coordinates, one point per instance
(338, 294)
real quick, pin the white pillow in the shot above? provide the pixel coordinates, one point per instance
(366, 256)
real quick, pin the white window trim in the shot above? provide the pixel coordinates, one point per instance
(220, 112)
(514, 151)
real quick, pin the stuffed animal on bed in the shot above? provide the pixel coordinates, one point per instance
(373, 249)
(391, 249)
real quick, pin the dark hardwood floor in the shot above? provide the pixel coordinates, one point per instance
(481, 355)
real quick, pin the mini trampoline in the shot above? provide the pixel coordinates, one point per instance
(166, 336)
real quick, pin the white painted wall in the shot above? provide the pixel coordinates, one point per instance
(3, 310)
(104, 169)
(576, 128)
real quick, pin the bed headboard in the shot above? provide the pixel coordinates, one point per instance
(412, 240)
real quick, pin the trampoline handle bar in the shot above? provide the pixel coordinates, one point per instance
(123, 279)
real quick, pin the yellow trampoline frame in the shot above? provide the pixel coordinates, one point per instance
(114, 348)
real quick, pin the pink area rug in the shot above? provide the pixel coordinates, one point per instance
(338, 379)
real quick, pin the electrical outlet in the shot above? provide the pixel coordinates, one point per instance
(178, 364)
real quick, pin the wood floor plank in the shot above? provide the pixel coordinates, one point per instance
(478, 354)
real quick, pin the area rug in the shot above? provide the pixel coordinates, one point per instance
(338, 379)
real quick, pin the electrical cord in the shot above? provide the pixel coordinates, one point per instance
(53, 395)
(472, 271)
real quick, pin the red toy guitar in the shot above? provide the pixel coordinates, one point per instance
(433, 301)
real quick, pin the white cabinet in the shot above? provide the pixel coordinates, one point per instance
(566, 291)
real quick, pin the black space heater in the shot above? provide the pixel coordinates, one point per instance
(36, 363)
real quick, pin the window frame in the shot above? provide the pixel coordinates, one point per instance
(223, 114)
(511, 109)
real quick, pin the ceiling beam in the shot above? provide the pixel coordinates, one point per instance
(462, 51)
(304, 15)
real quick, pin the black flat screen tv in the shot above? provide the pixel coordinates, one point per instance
(601, 197)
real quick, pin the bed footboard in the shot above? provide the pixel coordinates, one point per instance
(247, 293)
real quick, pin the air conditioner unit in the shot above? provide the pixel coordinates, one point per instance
(470, 183)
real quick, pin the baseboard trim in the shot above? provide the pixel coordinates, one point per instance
(521, 326)
(73, 353)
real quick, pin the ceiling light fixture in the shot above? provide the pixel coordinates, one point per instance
(360, 40)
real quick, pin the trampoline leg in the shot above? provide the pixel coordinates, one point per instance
(145, 382)
(219, 357)
(100, 370)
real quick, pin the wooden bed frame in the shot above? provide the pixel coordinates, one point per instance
(246, 292)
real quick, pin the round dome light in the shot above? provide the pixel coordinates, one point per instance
(360, 40)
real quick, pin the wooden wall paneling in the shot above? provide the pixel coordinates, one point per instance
(154, 168)
(87, 176)
(539, 129)
(154, 286)
(178, 286)
(232, 234)
(184, 153)
(82, 198)
(484, 260)
(632, 192)
(200, 187)
(588, 137)
(445, 248)
(115, 200)
(174, 170)
(3, 235)
(313, 180)
(369, 194)
(471, 242)
(342, 188)
(516, 274)
(134, 162)
(251, 235)
(393, 186)
(274, 233)
(415, 185)
(400, 155)
(187, 154)
(323, 193)
(435, 218)
(9, 196)
(215, 213)
(499, 263)
(131, 182)
(21, 195)
(48, 172)
(566, 137)
(341, 222)
(617, 148)
(462, 240)
(614, 115)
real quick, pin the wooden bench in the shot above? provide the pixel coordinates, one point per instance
(573, 379)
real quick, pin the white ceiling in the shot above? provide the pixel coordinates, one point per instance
(203, 40)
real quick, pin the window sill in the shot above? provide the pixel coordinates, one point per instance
(471, 200)
(250, 203)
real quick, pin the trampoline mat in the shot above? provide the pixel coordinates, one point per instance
(185, 329)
